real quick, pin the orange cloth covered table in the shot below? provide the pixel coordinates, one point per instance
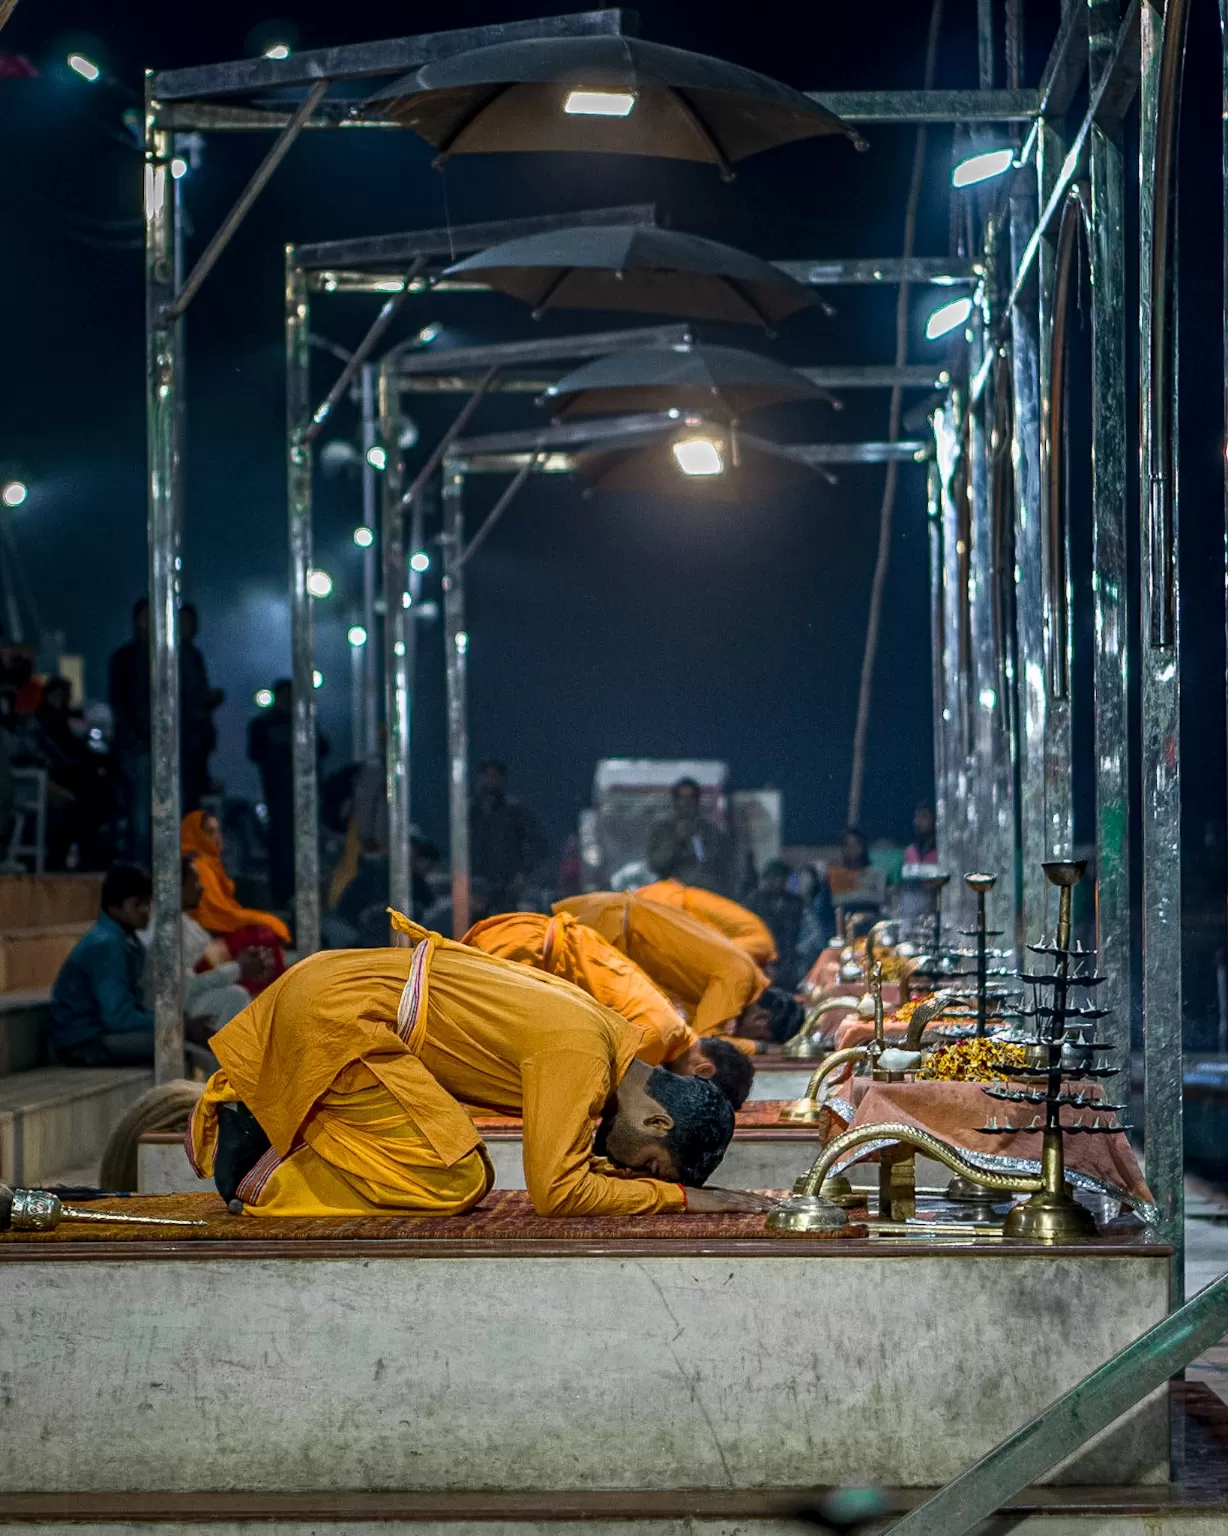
(952, 1111)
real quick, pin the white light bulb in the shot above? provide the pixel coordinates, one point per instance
(14, 493)
(364, 537)
(698, 456)
(317, 679)
(263, 697)
(86, 68)
(356, 635)
(428, 333)
(599, 103)
(462, 642)
(277, 51)
(179, 167)
(981, 167)
(399, 648)
(319, 583)
(420, 561)
(947, 317)
(377, 458)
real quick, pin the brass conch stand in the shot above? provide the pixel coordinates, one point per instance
(1052, 1214)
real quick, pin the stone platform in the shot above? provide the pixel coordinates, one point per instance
(666, 1355)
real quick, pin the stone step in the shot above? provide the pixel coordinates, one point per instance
(54, 1119)
(32, 957)
(48, 901)
(23, 1030)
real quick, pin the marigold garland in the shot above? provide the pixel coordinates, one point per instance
(971, 1061)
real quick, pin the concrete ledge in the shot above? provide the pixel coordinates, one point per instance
(605, 1371)
(23, 1029)
(57, 1118)
(33, 957)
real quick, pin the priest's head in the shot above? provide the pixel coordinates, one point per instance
(722, 1064)
(774, 1015)
(665, 1126)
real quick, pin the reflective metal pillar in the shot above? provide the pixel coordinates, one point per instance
(1159, 756)
(1110, 584)
(165, 534)
(456, 646)
(370, 559)
(937, 650)
(1029, 624)
(302, 651)
(960, 808)
(396, 657)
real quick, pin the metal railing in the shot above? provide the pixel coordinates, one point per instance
(1070, 1422)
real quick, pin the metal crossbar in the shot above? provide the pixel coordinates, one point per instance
(1071, 1421)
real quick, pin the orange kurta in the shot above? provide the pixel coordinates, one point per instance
(362, 1060)
(564, 947)
(218, 911)
(745, 928)
(709, 975)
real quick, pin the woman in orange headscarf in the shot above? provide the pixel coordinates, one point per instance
(239, 928)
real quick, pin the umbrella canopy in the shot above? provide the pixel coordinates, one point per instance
(628, 267)
(725, 380)
(698, 461)
(615, 95)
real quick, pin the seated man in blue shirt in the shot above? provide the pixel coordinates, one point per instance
(98, 1013)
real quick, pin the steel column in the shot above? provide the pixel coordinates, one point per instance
(302, 653)
(396, 649)
(960, 808)
(1029, 631)
(409, 635)
(937, 651)
(165, 535)
(1161, 717)
(1110, 586)
(370, 557)
(456, 646)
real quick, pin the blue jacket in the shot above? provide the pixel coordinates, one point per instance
(98, 990)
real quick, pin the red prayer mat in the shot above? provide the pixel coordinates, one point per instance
(503, 1215)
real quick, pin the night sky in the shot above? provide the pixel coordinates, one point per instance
(600, 627)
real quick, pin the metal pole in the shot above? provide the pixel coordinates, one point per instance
(370, 518)
(357, 730)
(417, 539)
(1161, 718)
(396, 648)
(456, 646)
(937, 649)
(960, 807)
(1110, 584)
(1029, 632)
(165, 545)
(302, 669)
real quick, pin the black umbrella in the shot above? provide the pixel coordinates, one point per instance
(630, 267)
(725, 380)
(611, 94)
(695, 460)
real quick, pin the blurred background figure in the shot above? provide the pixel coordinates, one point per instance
(688, 846)
(198, 701)
(128, 695)
(506, 842)
(924, 846)
(218, 913)
(782, 910)
(853, 884)
(270, 745)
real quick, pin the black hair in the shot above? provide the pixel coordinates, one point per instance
(703, 1122)
(122, 881)
(784, 1012)
(492, 762)
(777, 867)
(283, 682)
(424, 847)
(139, 607)
(734, 1071)
(685, 783)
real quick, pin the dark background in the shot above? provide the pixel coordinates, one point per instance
(599, 627)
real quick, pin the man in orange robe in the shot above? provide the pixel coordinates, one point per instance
(344, 1089)
(717, 984)
(564, 947)
(739, 924)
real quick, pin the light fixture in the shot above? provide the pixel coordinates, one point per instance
(377, 458)
(407, 437)
(86, 68)
(462, 642)
(429, 333)
(263, 698)
(179, 167)
(277, 51)
(989, 699)
(982, 166)
(14, 493)
(599, 103)
(356, 635)
(317, 678)
(319, 583)
(399, 648)
(947, 317)
(406, 600)
(364, 537)
(420, 561)
(698, 456)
